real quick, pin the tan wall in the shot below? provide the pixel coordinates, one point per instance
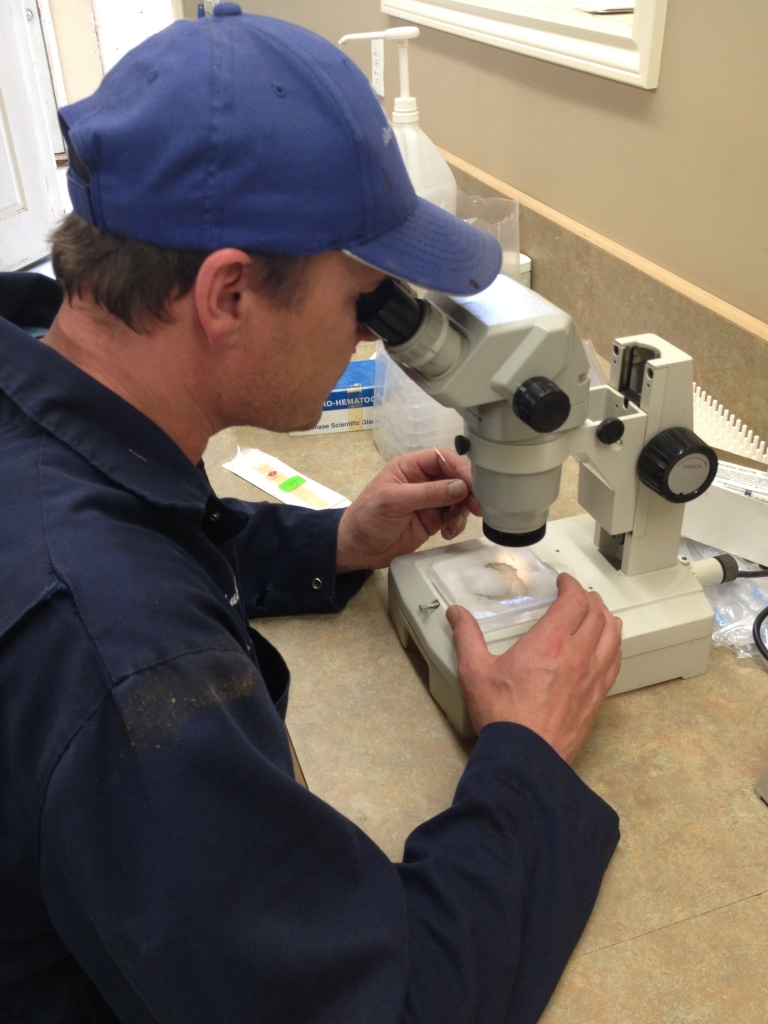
(78, 47)
(329, 18)
(677, 174)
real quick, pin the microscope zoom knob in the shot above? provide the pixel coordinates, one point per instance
(677, 464)
(541, 404)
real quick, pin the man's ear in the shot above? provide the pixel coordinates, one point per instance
(219, 290)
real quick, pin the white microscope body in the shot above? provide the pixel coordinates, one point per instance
(515, 367)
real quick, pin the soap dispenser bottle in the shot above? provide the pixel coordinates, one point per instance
(405, 418)
(430, 175)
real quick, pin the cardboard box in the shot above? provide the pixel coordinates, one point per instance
(350, 405)
(732, 514)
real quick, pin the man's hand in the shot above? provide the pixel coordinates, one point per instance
(555, 677)
(412, 498)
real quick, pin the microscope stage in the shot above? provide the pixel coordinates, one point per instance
(667, 619)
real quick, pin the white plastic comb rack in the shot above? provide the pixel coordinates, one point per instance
(720, 428)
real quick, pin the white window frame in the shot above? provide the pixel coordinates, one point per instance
(626, 48)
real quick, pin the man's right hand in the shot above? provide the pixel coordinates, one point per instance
(554, 679)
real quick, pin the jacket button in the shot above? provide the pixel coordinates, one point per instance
(316, 583)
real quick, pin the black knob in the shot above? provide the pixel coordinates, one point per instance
(541, 404)
(677, 464)
(610, 430)
(391, 312)
(461, 444)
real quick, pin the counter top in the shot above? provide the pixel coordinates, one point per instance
(680, 930)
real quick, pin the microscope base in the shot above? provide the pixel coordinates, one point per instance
(667, 619)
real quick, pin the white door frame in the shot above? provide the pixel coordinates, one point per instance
(24, 230)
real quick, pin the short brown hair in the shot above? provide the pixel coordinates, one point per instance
(135, 281)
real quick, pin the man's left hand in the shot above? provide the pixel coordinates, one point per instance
(410, 500)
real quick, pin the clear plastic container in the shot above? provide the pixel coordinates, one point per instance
(500, 218)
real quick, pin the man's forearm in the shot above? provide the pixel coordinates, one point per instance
(287, 561)
(500, 886)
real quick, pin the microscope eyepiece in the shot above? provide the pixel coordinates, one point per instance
(391, 312)
(417, 335)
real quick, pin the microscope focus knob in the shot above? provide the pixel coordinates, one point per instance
(541, 404)
(677, 464)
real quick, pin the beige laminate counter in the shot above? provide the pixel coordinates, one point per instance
(680, 930)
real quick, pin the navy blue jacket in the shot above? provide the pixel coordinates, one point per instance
(158, 861)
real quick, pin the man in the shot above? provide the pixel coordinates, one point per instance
(236, 189)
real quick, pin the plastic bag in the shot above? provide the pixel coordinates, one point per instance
(736, 605)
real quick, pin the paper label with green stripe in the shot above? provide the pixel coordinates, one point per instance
(283, 482)
(292, 483)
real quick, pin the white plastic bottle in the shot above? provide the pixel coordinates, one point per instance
(430, 175)
(405, 418)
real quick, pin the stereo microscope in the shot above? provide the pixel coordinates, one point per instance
(515, 368)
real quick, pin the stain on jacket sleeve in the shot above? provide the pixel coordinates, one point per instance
(160, 702)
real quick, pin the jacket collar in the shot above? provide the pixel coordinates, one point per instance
(108, 432)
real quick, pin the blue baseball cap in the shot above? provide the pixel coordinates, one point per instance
(245, 131)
